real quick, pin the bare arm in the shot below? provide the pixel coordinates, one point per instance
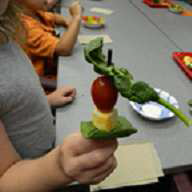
(62, 21)
(40, 175)
(69, 38)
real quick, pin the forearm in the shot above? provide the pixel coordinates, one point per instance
(69, 38)
(61, 20)
(41, 175)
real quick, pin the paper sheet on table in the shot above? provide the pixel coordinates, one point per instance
(138, 164)
(101, 10)
(156, 161)
(85, 39)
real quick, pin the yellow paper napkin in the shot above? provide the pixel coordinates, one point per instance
(138, 164)
(101, 10)
(85, 39)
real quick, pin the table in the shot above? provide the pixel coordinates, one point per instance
(176, 28)
(142, 48)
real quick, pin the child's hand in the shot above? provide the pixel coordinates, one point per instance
(87, 161)
(51, 3)
(62, 96)
(75, 9)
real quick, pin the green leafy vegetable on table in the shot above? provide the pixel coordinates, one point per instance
(137, 91)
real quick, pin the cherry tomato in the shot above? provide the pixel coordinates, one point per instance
(104, 94)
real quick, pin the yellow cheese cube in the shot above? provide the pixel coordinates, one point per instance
(104, 121)
(187, 60)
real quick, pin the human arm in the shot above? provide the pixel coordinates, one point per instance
(69, 38)
(43, 44)
(40, 43)
(62, 20)
(40, 175)
(77, 159)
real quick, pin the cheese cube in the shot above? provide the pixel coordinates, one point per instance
(187, 60)
(104, 121)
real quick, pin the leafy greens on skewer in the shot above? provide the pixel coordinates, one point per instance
(137, 91)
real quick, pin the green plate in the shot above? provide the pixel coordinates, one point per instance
(123, 128)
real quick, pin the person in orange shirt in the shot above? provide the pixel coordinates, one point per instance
(42, 45)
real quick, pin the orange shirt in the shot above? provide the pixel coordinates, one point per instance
(40, 41)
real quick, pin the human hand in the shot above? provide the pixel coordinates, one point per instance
(62, 96)
(87, 161)
(50, 4)
(75, 9)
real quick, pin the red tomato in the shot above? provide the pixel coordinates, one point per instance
(104, 94)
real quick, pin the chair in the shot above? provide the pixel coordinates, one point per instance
(183, 182)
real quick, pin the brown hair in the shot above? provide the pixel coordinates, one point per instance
(10, 24)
